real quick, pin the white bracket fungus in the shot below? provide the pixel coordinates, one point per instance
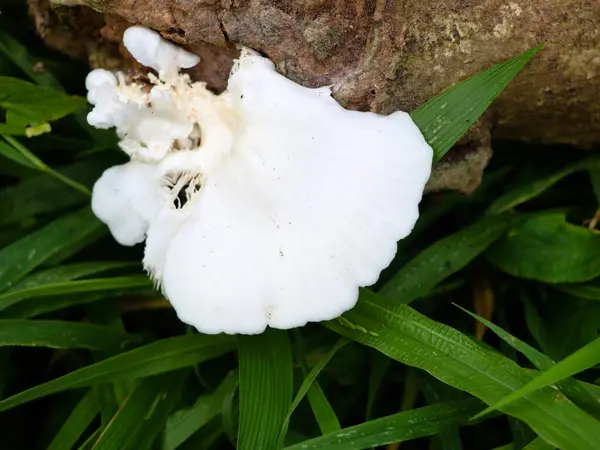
(266, 205)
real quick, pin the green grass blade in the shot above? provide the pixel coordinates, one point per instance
(74, 287)
(68, 272)
(266, 388)
(399, 427)
(182, 424)
(436, 392)
(379, 367)
(539, 444)
(143, 414)
(584, 358)
(13, 154)
(569, 386)
(583, 291)
(61, 334)
(445, 118)
(455, 359)
(29, 308)
(41, 194)
(158, 357)
(307, 384)
(78, 421)
(322, 410)
(24, 255)
(19, 55)
(532, 189)
(89, 442)
(443, 258)
(35, 162)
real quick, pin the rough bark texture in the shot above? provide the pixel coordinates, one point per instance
(381, 55)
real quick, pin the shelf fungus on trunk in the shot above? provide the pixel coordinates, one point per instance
(266, 205)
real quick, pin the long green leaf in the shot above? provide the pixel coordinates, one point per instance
(74, 287)
(539, 444)
(532, 189)
(266, 388)
(32, 161)
(434, 392)
(25, 309)
(19, 55)
(67, 272)
(322, 410)
(13, 154)
(399, 427)
(143, 414)
(61, 334)
(579, 361)
(445, 118)
(583, 291)
(569, 386)
(22, 256)
(182, 424)
(378, 368)
(161, 356)
(406, 336)
(42, 194)
(443, 258)
(78, 421)
(307, 383)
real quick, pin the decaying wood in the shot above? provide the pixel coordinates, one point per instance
(381, 55)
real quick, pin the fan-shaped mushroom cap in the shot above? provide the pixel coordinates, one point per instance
(278, 207)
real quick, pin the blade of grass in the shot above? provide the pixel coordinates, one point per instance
(41, 194)
(436, 392)
(158, 357)
(455, 359)
(532, 189)
(131, 297)
(445, 118)
(61, 334)
(78, 421)
(400, 427)
(182, 424)
(322, 409)
(306, 385)
(68, 272)
(74, 287)
(584, 358)
(35, 162)
(569, 386)
(14, 155)
(143, 414)
(539, 444)
(445, 257)
(266, 387)
(24, 255)
(379, 366)
(20, 56)
(583, 291)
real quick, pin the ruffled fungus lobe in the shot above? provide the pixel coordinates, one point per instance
(268, 204)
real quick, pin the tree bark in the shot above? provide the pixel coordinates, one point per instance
(383, 55)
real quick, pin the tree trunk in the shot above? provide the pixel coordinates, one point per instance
(382, 55)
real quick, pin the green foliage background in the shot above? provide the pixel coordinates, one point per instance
(92, 357)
